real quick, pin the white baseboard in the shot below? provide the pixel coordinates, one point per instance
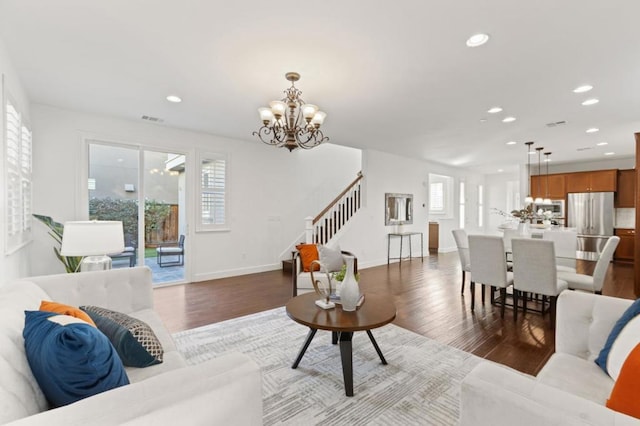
(447, 249)
(236, 272)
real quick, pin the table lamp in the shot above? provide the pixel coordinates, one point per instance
(93, 240)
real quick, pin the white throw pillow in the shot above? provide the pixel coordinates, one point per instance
(331, 258)
(628, 338)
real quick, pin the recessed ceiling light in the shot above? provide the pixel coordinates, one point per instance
(609, 153)
(512, 143)
(494, 110)
(508, 119)
(477, 40)
(500, 170)
(592, 130)
(602, 143)
(174, 98)
(592, 101)
(582, 89)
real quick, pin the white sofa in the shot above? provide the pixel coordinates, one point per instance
(224, 390)
(569, 390)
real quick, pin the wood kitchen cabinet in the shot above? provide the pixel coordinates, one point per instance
(626, 246)
(626, 193)
(596, 181)
(557, 188)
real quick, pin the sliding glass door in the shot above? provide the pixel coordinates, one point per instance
(145, 190)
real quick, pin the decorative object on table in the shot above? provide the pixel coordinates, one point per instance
(350, 292)
(290, 122)
(93, 239)
(322, 287)
(524, 215)
(71, 263)
(338, 277)
(510, 221)
(546, 217)
(529, 198)
(538, 199)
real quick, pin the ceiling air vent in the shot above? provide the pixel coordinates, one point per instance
(584, 148)
(556, 123)
(152, 119)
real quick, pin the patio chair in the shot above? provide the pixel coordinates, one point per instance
(171, 251)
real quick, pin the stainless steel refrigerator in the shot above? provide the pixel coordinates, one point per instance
(592, 215)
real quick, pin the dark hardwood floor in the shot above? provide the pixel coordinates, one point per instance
(427, 297)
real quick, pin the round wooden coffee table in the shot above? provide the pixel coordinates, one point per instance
(375, 312)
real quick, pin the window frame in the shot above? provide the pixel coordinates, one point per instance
(201, 190)
(447, 193)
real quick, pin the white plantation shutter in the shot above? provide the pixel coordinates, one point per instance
(213, 192)
(18, 178)
(436, 199)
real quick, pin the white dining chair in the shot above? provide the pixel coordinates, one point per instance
(462, 242)
(489, 267)
(565, 243)
(534, 271)
(593, 283)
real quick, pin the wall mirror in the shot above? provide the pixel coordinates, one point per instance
(398, 209)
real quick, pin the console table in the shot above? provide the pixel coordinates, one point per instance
(401, 235)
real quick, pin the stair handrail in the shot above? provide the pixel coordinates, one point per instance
(338, 198)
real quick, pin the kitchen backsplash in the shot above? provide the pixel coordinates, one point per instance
(625, 218)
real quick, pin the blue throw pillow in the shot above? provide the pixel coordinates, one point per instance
(69, 358)
(631, 312)
(133, 339)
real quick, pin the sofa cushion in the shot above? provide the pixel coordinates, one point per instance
(70, 359)
(20, 395)
(308, 253)
(133, 339)
(628, 339)
(631, 312)
(626, 392)
(61, 308)
(577, 376)
(331, 258)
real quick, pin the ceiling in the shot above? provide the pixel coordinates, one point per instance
(392, 76)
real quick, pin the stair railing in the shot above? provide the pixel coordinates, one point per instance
(331, 219)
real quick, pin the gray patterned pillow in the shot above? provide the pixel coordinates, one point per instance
(135, 342)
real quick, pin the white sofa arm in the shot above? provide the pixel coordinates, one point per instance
(495, 395)
(124, 290)
(222, 391)
(584, 321)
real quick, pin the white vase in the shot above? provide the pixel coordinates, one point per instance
(350, 291)
(523, 228)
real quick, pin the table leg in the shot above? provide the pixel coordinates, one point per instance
(334, 337)
(346, 356)
(410, 245)
(422, 247)
(312, 332)
(377, 348)
(388, 248)
(401, 240)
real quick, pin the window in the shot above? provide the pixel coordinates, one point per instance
(462, 217)
(213, 192)
(18, 178)
(436, 200)
(480, 205)
(441, 195)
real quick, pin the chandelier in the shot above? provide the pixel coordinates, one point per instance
(290, 122)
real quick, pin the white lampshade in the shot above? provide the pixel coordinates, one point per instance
(92, 237)
(265, 114)
(309, 110)
(318, 118)
(278, 108)
(546, 201)
(528, 199)
(538, 200)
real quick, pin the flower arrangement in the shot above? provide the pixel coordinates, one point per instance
(525, 215)
(339, 275)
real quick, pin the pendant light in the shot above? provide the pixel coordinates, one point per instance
(547, 200)
(529, 198)
(538, 199)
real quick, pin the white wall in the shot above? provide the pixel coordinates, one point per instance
(496, 197)
(366, 236)
(271, 190)
(16, 263)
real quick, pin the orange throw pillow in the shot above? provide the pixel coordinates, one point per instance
(626, 391)
(308, 253)
(60, 308)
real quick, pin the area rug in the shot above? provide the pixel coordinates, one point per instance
(419, 386)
